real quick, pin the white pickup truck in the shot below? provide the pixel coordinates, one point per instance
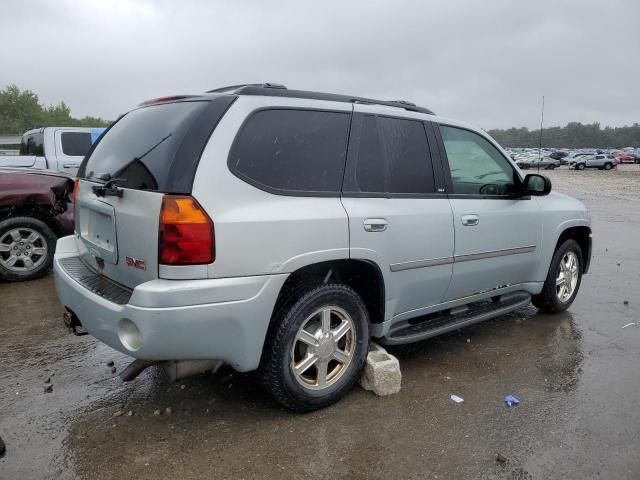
(53, 148)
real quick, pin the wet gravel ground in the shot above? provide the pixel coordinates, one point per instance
(577, 375)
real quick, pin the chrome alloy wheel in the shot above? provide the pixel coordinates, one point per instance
(22, 250)
(323, 348)
(567, 276)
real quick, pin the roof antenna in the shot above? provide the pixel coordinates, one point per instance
(540, 147)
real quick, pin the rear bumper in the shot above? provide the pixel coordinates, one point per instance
(222, 319)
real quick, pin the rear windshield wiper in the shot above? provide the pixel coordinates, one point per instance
(109, 188)
(107, 177)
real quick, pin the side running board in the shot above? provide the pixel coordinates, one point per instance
(416, 329)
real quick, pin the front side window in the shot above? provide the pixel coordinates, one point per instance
(75, 144)
(477, 167)
(289, 151)
(392, 158)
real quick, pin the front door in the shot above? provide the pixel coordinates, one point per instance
(397, 218)
(497, 234)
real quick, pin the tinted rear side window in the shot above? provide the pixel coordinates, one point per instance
(391, 157)
(32, 144)
(75, 144)
(141, 146)
(292, 151)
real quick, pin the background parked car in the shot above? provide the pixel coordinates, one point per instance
(35, 209)
(602, 162)
(558, 155)
(626, 158)
(546, 163)
(58, 149)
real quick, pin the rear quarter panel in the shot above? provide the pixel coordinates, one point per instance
(257, 232)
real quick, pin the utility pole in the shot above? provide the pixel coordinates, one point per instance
(540, 146)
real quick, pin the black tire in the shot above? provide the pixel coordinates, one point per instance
(275, 371)
(607, 166)
(548, 301)
(580, 166)
(43, 266)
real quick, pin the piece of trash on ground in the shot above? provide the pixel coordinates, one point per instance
(456, 398)
(628, 324)
(511, 400)
(501, 458)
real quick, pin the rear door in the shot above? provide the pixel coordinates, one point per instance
(71, 147)
(497, 234)
(596, 161)
(150, 151)
(399, 216)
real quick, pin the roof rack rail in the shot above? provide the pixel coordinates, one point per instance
(279, 90)
(235, 88)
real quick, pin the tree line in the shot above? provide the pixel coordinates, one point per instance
(21, 110)
(573, 135)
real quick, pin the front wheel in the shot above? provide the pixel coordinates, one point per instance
(563, 280)
(580, 166)
(316, 350)
(607, 166)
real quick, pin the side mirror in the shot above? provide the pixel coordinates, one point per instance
(537, 185)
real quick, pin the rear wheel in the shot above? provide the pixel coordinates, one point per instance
(316, 350)
(26, 248)
(607, 166)
(580, 166)
(563, 280)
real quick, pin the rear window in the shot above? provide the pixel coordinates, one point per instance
(75, 144)
(140, 148)
(292, 151)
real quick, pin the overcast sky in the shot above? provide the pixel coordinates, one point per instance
(486, 62)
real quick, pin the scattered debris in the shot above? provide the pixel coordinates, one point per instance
(468, 340)
(129, 413)
(168, 411)
(48, 380)
(113, 369)
(626, 302)
(456, 398)
(110, 363)
(182, 387)
(628, 324)
(511, 400)
(156, 411)
(118, 413)
(618, 264)
(501, 458)
(48, 387)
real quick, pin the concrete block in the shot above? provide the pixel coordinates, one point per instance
(382, 373)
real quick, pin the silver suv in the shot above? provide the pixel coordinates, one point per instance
(281, 231)
(599, 161)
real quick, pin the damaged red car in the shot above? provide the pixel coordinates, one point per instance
(35, 209)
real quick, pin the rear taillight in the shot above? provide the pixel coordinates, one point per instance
(76, 185)
(186, 232)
